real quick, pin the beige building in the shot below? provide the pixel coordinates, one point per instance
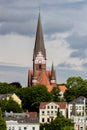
(13, 96)
(48, 111)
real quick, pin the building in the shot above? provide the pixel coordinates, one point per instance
(39, 74)
(48, 111)
(77, 107)
(80, 122)
(62, 89)
(13, 96)
(21, 121)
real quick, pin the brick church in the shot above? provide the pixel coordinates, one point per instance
(39, 74)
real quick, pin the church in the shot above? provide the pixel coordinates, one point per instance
(39, 74)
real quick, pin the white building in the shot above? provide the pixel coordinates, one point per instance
(21, 121)
(78, 106)
(80, 122)
(48, 111)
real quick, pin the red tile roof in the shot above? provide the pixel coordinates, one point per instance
(32, 114)
(62, 105)
(62, 88)
(43, 78)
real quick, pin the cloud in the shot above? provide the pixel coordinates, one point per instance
(64, 25)
(16, 49)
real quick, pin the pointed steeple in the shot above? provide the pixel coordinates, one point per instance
(52, 73)
(53, 77)
(39, 42)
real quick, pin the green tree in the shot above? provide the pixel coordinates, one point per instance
(2, 122)
(74, 82)
(71, 94)
(60, 123)
(7, 88)
(10, 105)
(55, 94)
(31, 97)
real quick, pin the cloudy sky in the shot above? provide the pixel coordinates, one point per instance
(64, 25)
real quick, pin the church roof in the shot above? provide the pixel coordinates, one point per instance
(39, 42)
(43, 78)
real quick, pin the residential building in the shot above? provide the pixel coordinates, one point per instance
(48, 111)
(80, 122)
(21, 121)
(13, 96)
(77, 107)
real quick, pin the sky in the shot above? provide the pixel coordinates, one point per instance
(64, 24)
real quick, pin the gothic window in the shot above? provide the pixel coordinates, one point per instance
(40, 66)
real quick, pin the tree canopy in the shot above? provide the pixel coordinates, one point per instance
(10, 105)
(60, 123)
(76, 87)
(2, 122)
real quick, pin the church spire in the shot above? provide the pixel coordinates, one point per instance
(39, 42)
(53, 77)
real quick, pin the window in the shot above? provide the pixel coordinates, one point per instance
(55, 112)
(81, 128)
(33, 128)
(76, 107)
(12, 128)
(48, 120)
(51, 112)
(48, 107)
(42, 119)
(79, 107)
(9, 128)
(55, 107)
(61, 112)
(51, 107)
(48, 112)
(70, 107)
(25, 128)
(42, 112)
(19, 128)
(40, 66)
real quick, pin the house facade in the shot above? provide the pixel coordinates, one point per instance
(21, 121)
(77, 107)
(48, 111)
(80, 122)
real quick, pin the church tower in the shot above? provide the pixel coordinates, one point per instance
(39, 74)
(39, 54)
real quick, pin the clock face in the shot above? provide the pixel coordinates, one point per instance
(40, 58)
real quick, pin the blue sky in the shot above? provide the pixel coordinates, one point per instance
(64, 25)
